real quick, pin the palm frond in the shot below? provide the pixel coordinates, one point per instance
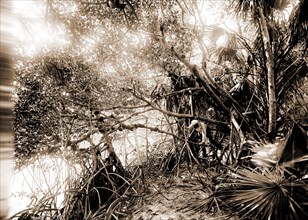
(264, 195)
(214, 32)
(299, 14)
(246, 7)
(229, 54)
(298, 24)
(281, 5)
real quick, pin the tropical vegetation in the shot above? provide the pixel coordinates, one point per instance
(122, 66)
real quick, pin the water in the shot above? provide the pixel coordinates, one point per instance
(46, 177)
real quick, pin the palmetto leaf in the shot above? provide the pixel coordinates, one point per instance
(264, 195)
(289, 151)
(269, 6)
(281, 5)
(267, 154)
(214, 33)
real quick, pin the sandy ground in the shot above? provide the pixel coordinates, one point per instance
(173, 198)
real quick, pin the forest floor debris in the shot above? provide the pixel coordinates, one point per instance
(171, 197)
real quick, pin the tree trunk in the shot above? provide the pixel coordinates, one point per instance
(272, 102)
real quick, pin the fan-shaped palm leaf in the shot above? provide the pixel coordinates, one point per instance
(214, 33)
(266, 195)
(251, 6)
(229, 54)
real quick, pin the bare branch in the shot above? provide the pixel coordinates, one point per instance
(177, 115)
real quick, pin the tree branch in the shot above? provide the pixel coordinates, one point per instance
(177, 115)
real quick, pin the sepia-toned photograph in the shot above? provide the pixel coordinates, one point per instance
(154, 110)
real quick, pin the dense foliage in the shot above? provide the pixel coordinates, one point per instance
(246, 82)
